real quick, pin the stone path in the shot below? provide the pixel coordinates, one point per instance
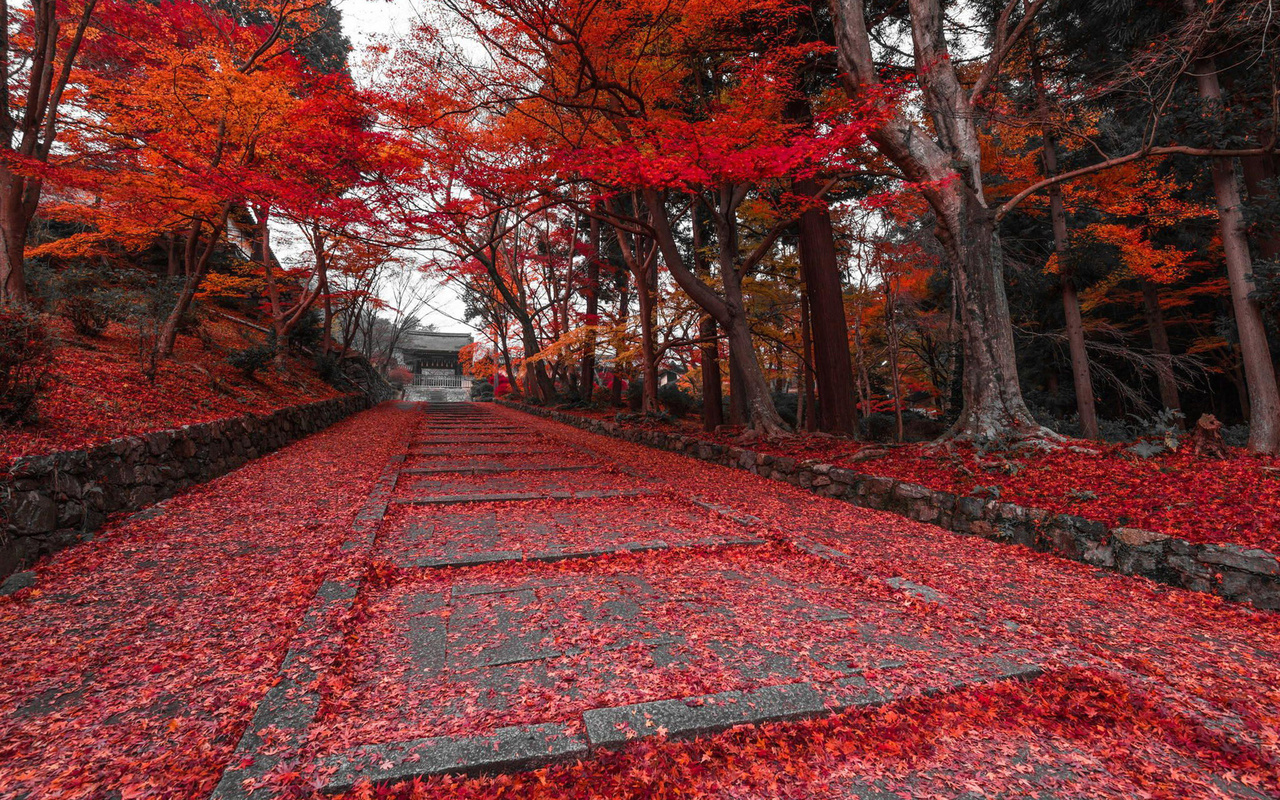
(572, 650)
(319, 619)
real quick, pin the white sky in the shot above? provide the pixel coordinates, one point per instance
(363, 21)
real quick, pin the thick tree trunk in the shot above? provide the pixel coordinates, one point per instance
(1259, 371)
(712, 394)
(832, 367)
(712, 401)
(13, 239)
(753, 389)
(541, 381)
(993, 404)
(1160, 345)
(947, 162)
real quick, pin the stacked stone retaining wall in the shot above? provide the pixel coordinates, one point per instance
(1239, 574)
(52, 500)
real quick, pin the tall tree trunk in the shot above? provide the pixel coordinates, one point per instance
(541, 382)
(1160, 345)
(751, 395)
(832, 366)
(895, 373)
(806, 417)
(587, 379)
(712, 395)
(322, 285)
(615, 388)
(28, 132)
(644, 271)
(712, 401)
(648, 356)
(1081, 378)
(1259, 371)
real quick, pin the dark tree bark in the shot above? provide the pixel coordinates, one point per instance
(587, 380)
(824, 297)
(1160, 345)
(615, 388)
(712, 399)
(807, 414)
(729, 310)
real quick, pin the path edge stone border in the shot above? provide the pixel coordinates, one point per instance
(523, 747)
(289, 706)
(53, 500)
(1235, 573)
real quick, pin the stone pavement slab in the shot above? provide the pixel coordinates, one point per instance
(533, 615)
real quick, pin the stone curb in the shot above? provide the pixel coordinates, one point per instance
(523, 747)
(1235, 573)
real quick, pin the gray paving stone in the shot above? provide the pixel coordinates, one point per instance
(510, 497)
(470, 559)
(463, 468)
(486, 451)
(506, 749)
(615, 727)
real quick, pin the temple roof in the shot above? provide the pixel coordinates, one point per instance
(434, 341)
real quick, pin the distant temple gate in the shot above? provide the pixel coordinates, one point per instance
(433, 358)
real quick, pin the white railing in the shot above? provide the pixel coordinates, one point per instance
(438, 381)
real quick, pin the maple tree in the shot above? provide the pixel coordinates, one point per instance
(41, 43)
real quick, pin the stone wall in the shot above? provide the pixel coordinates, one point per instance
(1236, 573)
(50, 501)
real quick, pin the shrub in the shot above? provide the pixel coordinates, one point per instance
(251, 359)
(26, 354)
(788, 406)
(482, 391)
(309, 331)
(328, 368)
(87, 316)
(676, 401)
(85, 300)
(400, 376)
(882, 426)
(635, 394)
